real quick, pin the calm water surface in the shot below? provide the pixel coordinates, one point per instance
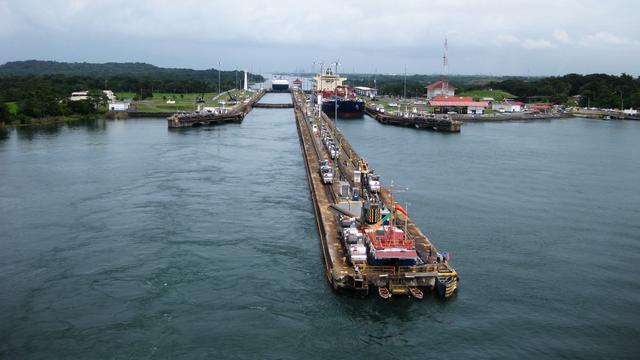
(121, 239)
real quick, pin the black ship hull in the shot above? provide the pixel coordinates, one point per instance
(346, 108)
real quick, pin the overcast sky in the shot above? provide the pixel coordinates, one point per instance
(541, 37)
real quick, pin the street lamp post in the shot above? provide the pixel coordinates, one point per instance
(312, 74)
(218, 77)
(335, 108)
(621, 101)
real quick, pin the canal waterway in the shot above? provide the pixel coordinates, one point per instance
(122, 239)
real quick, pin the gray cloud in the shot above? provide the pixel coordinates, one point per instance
(490, 37)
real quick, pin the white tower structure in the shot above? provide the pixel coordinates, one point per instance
(445, 70)
(246, 84)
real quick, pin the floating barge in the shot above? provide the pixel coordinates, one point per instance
(442, 123)
(236, 114)
(388, 258)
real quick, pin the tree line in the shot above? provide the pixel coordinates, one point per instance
(593, 90)
(39, 94)
(394, 85)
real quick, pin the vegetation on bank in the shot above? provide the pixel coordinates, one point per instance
(497, 95)
(593, 90)
(43, 105)
(394, 85)
(40, 89)
(185, 102)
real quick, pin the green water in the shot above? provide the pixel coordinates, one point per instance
(121, 239)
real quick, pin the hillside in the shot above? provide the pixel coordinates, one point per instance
(480, 94)
(107, 70)
(415, 84)
(36, 89)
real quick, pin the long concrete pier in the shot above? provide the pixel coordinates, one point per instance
(236, 114)
(340, 272)
(272, 106)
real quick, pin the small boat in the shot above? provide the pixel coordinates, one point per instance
(416, 293)
(384, 293)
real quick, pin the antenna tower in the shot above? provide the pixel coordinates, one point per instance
(445, 70)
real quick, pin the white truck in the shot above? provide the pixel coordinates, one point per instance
(374, 182)
(327, 174)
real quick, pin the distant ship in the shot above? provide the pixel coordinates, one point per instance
(280, 84)
(329, 93)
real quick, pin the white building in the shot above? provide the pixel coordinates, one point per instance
(437, 89)
(366, 91)
(79, 95)
(507, 106)
(110, 95)
(459, 105)
(84, 95)
(119, 105)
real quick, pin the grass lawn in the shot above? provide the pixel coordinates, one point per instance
(186, 102)
(384, 104)
(498, 95)
(12, 107)
(125, 95)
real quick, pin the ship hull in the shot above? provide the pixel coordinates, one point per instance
(346, 108)
(279, 87)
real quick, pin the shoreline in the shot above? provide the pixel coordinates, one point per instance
(52, 120)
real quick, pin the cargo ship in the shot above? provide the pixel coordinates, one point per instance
(280, 84)
(336, 99)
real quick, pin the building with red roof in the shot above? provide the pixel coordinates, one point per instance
(457, 104)
(437, 89)
(538, 107)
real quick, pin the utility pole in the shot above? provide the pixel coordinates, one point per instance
(335, 109)
(375, 76)
(321, 70)
(313, 74)
(405, 88)
(445, 69)
(218, 76)
(621, 101)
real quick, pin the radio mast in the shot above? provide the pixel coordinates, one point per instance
(445, 70)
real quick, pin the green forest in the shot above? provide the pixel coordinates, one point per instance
(593, 90)
(394, 85)
(36, 89)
